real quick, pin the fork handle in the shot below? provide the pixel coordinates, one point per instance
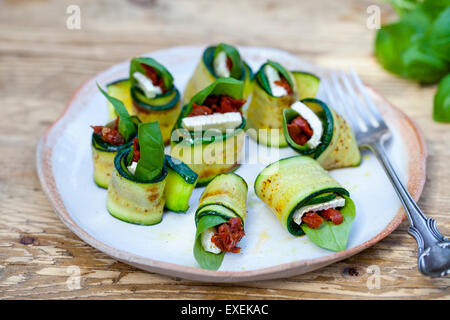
(433, 247)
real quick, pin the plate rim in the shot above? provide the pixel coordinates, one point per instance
(415, 184)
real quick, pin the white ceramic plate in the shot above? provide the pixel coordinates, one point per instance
(268, 250)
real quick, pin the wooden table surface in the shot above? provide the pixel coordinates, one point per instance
(42, 62)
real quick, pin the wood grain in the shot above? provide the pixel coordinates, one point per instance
(41, 65)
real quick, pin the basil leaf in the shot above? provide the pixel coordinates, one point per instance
(423, 65)
(207, 260)
(438, 36)
(403, 6)
(136, 66)
(331, 236)
(127, 127)
(394, 39)
(441, 109)
(233, 54)
(151, 147)
(229, 86)
(433, 8)
(418, 45)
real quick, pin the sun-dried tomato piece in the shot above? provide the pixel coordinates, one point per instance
(299, 130)
(198, 110)
(217, 104)
(229, 104)
(151, 73)
(97, 129)
(110, 134)
(229, 63)
(212, 102)
(228, 235)
(332, 214)
(224, 103)
(304, 125)
(297, 134)
(312, 220)
(285, 84)
(136, 150)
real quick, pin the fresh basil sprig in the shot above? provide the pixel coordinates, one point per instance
(231, 52)
(151, 147)
(417, 46)
(136, 66)
(127, 127)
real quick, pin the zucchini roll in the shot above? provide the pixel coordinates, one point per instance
(307, 200)
(313, 129)
(149, 93)
(136, 190)
(218, 61)
(274, 90)
(111, 138)
(208, 136)
(220, 219)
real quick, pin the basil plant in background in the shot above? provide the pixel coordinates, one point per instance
(417, 46)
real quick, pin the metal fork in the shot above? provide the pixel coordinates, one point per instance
(348, 93)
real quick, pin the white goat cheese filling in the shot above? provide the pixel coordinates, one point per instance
(335, 203)
(207, 244)
(220, 65)
(273, 76)
(132, 167)
(218, 121)
(313, 120)
(146, 85)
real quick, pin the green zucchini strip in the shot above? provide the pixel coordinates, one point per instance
(181, 181)
(139, 198)
(204, 74)
(337, 148)
(187, 145)
(307, 84)
(103, 153)
(224, 198)
(293, 183)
